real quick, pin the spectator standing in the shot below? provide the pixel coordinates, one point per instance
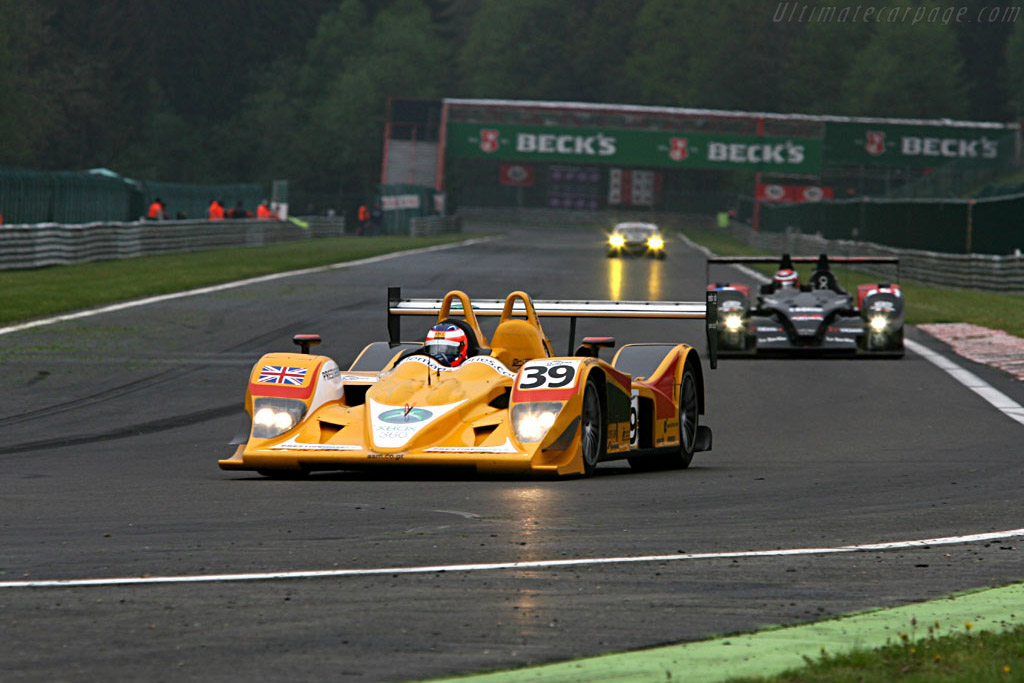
(363, 218)
(216, 211)
(157, 210)
(263, 211)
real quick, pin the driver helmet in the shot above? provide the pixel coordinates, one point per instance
(447, 343)
(786, 278)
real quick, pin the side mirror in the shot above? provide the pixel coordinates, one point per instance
(304, 341)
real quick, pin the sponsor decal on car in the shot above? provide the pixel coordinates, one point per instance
(293, 445)
(493, 363)
(394, 426)
(507, 447)
(357, 378)
(384, 456)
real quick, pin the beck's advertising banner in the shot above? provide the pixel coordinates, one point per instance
(885, 144)
(664, 149)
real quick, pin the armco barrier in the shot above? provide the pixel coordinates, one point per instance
(1003, 274)
(51, 244)
(434, 225)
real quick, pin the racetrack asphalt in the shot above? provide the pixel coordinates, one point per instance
(112, 425)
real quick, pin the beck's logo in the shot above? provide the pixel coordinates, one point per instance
(488, 140)
(875, 143)
(678, 150)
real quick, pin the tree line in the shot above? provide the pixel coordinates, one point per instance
(252, 90)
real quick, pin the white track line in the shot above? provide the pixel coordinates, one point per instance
(996, 398)
(538, 564)
(229, 285)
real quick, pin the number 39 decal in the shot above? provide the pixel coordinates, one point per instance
(548, 374)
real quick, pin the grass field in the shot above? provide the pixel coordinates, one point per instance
(60, 289)
(966, 657)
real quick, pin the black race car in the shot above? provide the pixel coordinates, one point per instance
(787, 317)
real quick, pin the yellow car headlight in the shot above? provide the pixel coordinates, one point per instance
(616, 241)
(655, 243)
(531, 421)
(274, 416)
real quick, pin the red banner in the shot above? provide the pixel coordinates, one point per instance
(767, 192)
(517, 175)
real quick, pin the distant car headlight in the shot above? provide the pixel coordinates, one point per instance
(879, 323)
(733, 322)
(531, 421)
(655, 242)
(274, 416)
(616, 241)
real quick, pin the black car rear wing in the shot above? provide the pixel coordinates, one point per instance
(786, 261)
(568, 308)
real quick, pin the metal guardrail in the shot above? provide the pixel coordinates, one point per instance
(1003, 274)
(434, 225)
(53, 244)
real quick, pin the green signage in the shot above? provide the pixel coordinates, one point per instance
(649, 149)
(888, 144)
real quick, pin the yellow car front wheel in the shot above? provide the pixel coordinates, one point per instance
(592, 426)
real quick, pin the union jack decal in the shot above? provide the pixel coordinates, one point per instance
(280, 374)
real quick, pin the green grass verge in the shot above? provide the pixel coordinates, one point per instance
(960, 658)
(925, 303)
(43, 292)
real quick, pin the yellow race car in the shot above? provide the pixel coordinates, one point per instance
(511, 405)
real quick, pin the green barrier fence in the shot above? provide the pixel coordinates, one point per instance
(28, 196)
(954, 226)
(71, 197)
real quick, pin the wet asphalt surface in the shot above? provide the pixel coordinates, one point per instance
(112, 426)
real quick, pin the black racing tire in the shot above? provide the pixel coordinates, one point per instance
(592, 428)
(689, 416)
(689, 413)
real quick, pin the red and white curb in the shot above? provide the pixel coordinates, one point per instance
(996, 348)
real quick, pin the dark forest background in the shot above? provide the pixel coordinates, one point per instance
(215, 91)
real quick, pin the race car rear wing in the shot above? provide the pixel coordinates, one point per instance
(564, 308)
(786, 261)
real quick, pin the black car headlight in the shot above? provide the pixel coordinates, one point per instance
(878, 323)
(531, 421)
(274, 416)
(733, 322)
